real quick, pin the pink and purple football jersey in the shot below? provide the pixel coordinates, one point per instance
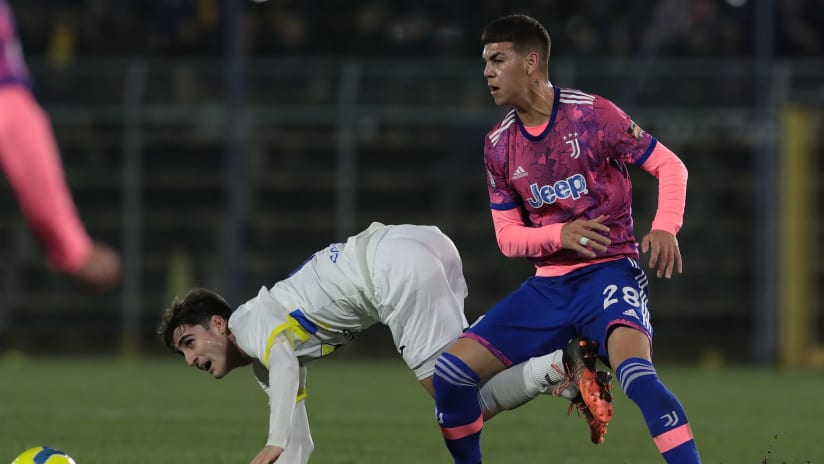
(12, 67)
(574, 169)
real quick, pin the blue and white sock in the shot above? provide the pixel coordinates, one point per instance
(457, 408)
(663, 413)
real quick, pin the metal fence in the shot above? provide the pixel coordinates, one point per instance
(327, 146)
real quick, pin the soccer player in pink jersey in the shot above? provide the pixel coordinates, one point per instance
(31, 163)
(560, 195)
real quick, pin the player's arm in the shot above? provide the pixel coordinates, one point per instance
(268, 455)
(30, 160)
(627, 142)
(661, 242)
(515, 239)
(284, 379)
(300, 439)
(29, 157)
(672, 188)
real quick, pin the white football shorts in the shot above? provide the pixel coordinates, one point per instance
(419, 293)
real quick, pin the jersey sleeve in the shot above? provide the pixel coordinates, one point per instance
(672, 188)
(501, 194)
(31, 163)
(518, 241)
(256, 325)
(300, 445)
(284, 383)
(264, 333)
(621, 138)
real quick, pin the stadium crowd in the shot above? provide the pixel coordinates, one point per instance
(65, 28)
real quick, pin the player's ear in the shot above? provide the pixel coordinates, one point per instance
(531, 62)
(219, 323)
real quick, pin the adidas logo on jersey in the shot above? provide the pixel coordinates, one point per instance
(520, 172)
(631, 313)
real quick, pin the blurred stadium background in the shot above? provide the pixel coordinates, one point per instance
(219, 143)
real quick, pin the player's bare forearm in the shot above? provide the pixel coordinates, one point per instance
(664, 254)
(268, 455)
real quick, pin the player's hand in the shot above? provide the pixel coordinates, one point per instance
(664, 255)
(101, 270)
(584, 236)
(268, 455)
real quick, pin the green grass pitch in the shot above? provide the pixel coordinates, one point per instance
(362, 412)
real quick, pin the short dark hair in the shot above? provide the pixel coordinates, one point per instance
(525, 33)
(196, 308)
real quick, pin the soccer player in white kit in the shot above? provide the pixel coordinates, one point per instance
(407, 277)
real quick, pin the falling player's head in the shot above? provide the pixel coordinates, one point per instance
(197, 327)
(196, 308)
(516, 51)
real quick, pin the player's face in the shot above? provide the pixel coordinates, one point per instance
(505, 72)
(206, 348)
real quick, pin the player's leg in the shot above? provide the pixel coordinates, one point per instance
(629, 350)
(518, 384)
(458, 374)
(623, 317)
(527, 323)
(445, 289)
(420, 298)
(419, 293)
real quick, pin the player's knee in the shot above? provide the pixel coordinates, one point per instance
(626, 342)
(456, 395)
(452, 374)
(637, 375)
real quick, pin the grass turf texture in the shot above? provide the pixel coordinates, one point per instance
(364, 412)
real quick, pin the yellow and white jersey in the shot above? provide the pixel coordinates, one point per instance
(322, 305)
(407, 277)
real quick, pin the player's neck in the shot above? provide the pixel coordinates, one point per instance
(537, 105)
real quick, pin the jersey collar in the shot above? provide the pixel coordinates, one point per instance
(535, 138)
